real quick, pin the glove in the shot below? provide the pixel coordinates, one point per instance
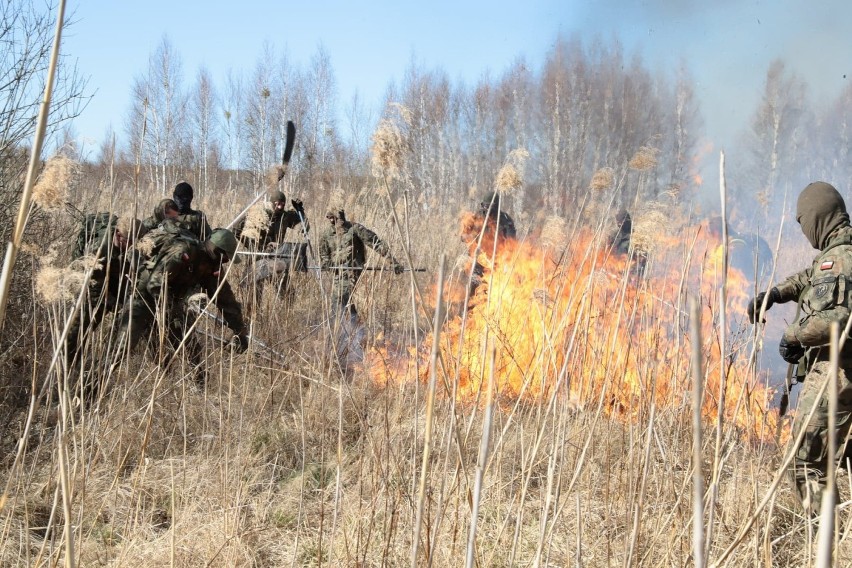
(791, 352)
(241, 342)
(398, 268)
(298, 205)
(755, 304)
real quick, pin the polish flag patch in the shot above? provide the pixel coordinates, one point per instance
(827, 265)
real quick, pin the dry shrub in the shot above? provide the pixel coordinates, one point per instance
(645, 159)
(257, 220)
(554, 233)
(52, 187)
(390, 145)
(510, 177)
(270, 178)
(56, 284)
(649, 225)
(602, 179)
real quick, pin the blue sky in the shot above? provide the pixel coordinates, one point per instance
(726, 44)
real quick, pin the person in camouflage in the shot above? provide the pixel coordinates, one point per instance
(108, 239)
(620, 240)
(342, 248)
(497, 220)
(190, 218)
(268, 233)
(822, 291)
(165, 209)
(479, 231)
(169, 276)
(263, 230)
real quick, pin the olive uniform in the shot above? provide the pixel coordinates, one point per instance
(824, 294)
(193, 220)
(166, 280)
(343, 246)
(278, 220)
(110, 279)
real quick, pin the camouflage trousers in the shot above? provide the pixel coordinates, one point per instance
(809, 468)
(146, 318)
(341, 292)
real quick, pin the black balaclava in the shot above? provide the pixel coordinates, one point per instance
(183, 197)
(490, 204)
(820, 210)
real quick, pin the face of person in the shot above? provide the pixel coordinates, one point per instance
(331, 219)
(279, 205)
(119, 240)
(172, 213)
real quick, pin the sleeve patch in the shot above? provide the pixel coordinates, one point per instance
(827, 265)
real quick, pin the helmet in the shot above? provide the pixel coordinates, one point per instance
(224, 240)
(277, 196)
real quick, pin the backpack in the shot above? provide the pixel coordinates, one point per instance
(95, 230)
(153, 243)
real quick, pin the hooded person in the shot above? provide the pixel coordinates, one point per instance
(823, 297)
(193, 220)
(490, 212)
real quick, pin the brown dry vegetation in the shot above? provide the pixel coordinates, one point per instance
(294, 461)
(286, 457)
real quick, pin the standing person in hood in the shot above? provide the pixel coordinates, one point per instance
(190, 218)
(823, 293)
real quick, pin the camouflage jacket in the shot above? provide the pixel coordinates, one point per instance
(276, 228)
(824, 291)
(347, 246)
(96, 239)
(181, 265)
(195, 222)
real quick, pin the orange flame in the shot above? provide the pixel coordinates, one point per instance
(586, 323)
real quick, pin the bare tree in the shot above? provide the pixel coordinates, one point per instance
(26, 34)
(319, 122)
(159, 102)
(776, 136)
(233, 125)
(202, 112)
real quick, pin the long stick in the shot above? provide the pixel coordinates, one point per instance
(35, 156)
(375, 268)
(430, 406)
(825, 537)
(697, 473)
(285, 161)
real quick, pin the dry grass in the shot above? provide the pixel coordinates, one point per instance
(291, 459)
(51, 188)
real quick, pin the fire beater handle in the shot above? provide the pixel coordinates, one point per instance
(375, 268)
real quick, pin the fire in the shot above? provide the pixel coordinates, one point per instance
(594, 326)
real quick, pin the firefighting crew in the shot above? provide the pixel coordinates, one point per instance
(823, 296)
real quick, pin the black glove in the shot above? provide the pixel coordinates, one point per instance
(241, 342)
(791, 352)
(298, 205)
(755, 304)
(398, 268)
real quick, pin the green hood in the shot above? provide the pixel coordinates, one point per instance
(820, 211)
